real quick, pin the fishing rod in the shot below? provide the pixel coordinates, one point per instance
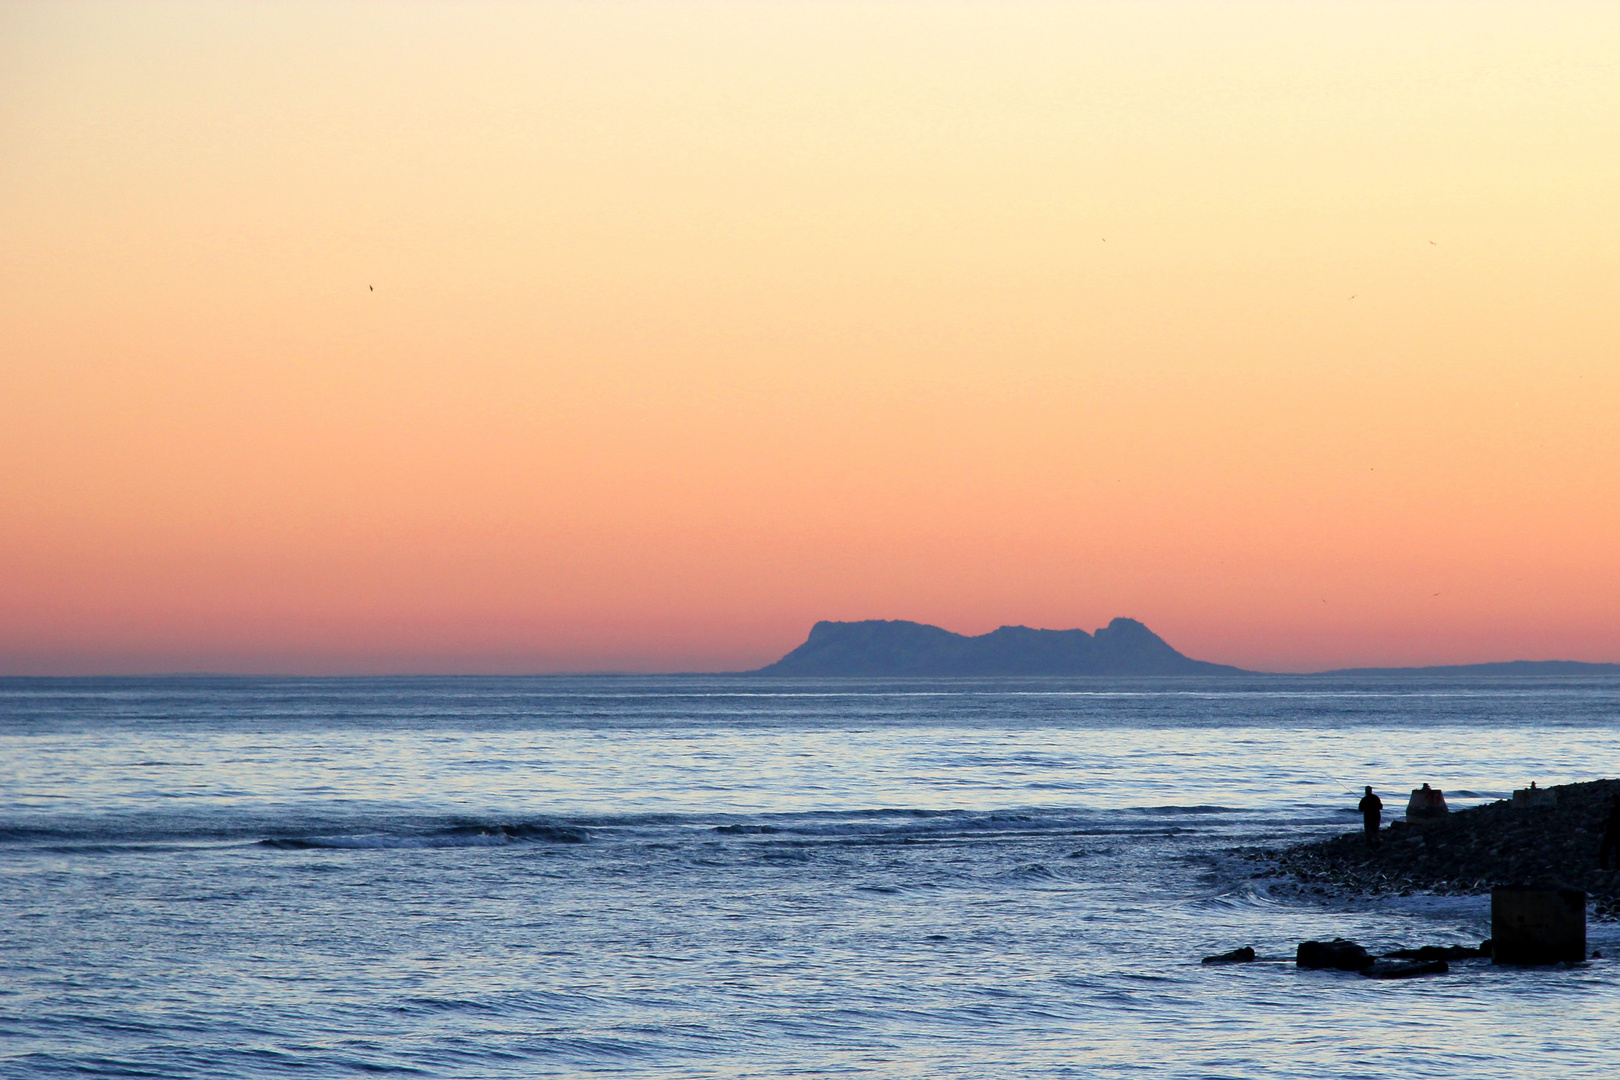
(1348, 790)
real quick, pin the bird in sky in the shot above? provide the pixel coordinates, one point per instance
(373, 288)
(1431, 242)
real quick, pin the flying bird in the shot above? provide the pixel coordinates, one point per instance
(1431, 241)
(373, 288)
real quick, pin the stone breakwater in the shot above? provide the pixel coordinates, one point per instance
(1469, 851)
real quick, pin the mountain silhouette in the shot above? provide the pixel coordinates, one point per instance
(897, 647)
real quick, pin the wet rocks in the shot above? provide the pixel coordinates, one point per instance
(1470, 852)
(1341, 954)
(1338, 953)
(1440, 952)
(1236, 956)
(1401, 964)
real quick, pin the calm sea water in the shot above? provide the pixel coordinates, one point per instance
(725, 877)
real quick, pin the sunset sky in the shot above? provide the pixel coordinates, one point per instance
(377, 337)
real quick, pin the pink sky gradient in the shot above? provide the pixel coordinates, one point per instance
(639, 336)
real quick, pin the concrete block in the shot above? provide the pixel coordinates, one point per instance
(1533, 925)
(1426, 804)
(1533, 797)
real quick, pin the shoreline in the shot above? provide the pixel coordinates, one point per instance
(1469, 852)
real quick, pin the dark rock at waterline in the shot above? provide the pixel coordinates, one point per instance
(1404, 969)
(1236, 956)
(1338, 953)
(1440, 952)
(1471, 851)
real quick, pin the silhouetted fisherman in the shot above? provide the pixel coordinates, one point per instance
(1611, 834)
(1372, 809)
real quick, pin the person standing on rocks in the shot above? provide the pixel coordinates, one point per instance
(1372, 809)
(1611, 834)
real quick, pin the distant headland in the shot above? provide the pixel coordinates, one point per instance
(895, 647)
(1502, 668)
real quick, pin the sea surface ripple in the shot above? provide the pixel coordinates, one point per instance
(743, 877)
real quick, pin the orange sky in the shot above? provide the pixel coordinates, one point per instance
(1292, 330)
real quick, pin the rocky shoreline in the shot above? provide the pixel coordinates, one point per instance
(1469, 851)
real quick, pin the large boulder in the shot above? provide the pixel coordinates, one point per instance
(1338, 953)
(1236, 956)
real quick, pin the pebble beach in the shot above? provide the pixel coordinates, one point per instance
(1470, 851)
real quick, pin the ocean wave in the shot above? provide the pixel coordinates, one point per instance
(361, 830)
(461, 836)
(548, 1003)
(1244, 896)
(1172, 809)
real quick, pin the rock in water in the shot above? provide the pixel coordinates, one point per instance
(1438, 952)
(1538, 925)
(1236, 956)
(1338, 953)
(1404, 969)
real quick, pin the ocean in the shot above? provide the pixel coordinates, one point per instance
(693, 876)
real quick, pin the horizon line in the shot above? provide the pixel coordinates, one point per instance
(1362, 670)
